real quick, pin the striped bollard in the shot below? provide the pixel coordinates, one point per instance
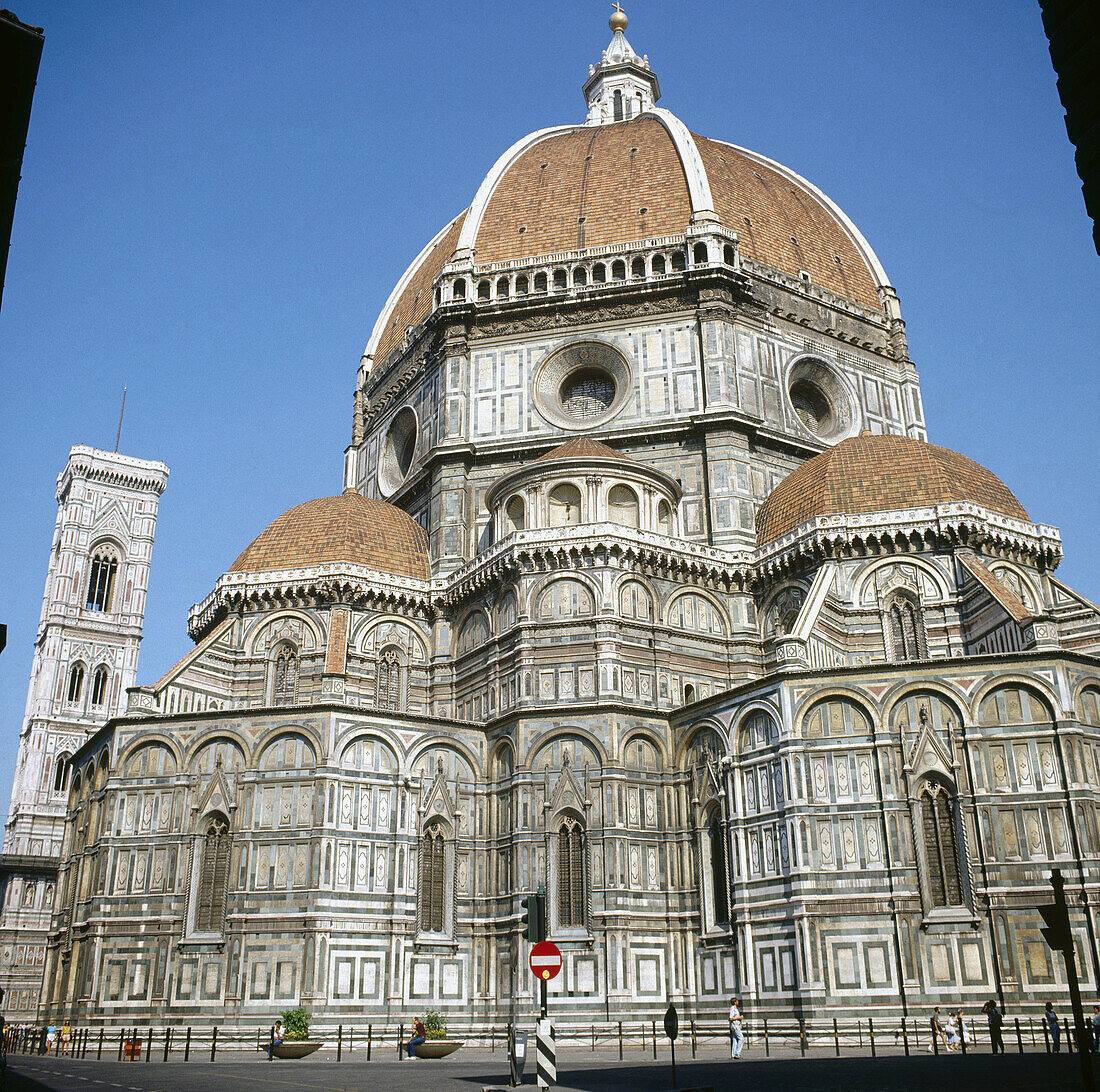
(546, 1056)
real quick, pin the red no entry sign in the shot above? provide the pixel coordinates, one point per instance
(545, 960)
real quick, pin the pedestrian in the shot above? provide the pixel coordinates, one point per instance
(993, 1015)
(420, 1033)
(737, 1032)
(66, 1036)
(1051, 1018)
(276, 1038)
(1095, 1029)
(51, 1037)
(961, 1029)
(938, 1032)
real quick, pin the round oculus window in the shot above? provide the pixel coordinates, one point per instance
(820, 399)
(398, 451)
(582, 384)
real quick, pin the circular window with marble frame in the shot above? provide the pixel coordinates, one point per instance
(582, 384)
(821, 399)
(398, 451)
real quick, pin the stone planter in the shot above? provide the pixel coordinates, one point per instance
(296, 1048)
(438, 1048)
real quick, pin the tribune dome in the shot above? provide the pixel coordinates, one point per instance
(870, 473)
(610, 182)
(349, 529)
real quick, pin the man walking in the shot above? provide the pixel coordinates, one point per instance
(737, 1034)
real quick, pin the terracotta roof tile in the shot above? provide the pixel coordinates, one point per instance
(581, 448)
(788, 227)
(879, 474)
(604, 173)
(349, 528)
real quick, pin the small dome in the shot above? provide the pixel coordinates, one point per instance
(880, 474)
(583, 448)
(349, 529)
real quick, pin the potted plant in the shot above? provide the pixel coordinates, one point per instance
(296, 1041)
(438, 1045)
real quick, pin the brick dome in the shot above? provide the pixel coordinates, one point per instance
(349, 529)
(589, 186)
(880, 474)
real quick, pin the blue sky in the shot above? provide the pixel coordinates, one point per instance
(217, 200)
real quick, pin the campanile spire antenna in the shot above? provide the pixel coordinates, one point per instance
(122, 410)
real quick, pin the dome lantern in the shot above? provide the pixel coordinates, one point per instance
(621, 86)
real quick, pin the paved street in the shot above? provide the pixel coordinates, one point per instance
(582, 1071)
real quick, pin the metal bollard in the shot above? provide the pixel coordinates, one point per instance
(187, 1046)
(99, 1052)
(167, 1043)
(370, 1035)
(871, 1033)
(593, 1037)
(836, 1037)
(653, 1029)
(1046, 1036)
(905, 1036)
(400, 1038)
(1019, 1037)
(339, 1042)
(767, 1048)
(351, 1040)
(1031, 1024)
(859, 1032)
(149, 1044)
(802, 1036)
(213, 1044)
(620, 1040)
(693, 1038)
(121, 1040)
(1069, 1038)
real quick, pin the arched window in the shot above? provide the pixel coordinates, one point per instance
(699, 254)
(514, 515)
(941, 851)
(99, 685)
(635, 602)
(622, 505)
(213, 876)
(285, 690)
(689, 693)
(664, 518)
(565, 505)
(618, 102)
(432, 892)
(571, 885)
(101, 580)
(76, 683)
(389, 690)
(719, 876)
(61, 772)
(658, 263)
(906, 626)
(637, 269)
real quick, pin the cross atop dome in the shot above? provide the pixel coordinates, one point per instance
(621, 86)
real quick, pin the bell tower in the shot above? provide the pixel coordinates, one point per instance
(85, 657)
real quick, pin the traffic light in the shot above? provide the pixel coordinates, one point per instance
(533, 918)
(1056, 931)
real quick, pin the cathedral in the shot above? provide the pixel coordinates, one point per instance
(645, 588)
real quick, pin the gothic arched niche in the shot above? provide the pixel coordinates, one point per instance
(924, 707)
(641, 754)
(635, 602)
(782, 612)
(473, 632)
(206, 758)
(368, 754)
(1013, 705)
(1089, 705)
(695, 613)
(757, 732)
(837, 716)
(565, 599)
(565, 750)
(290, 751)
(438, 757)
(151, 760)
(1017, 584)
